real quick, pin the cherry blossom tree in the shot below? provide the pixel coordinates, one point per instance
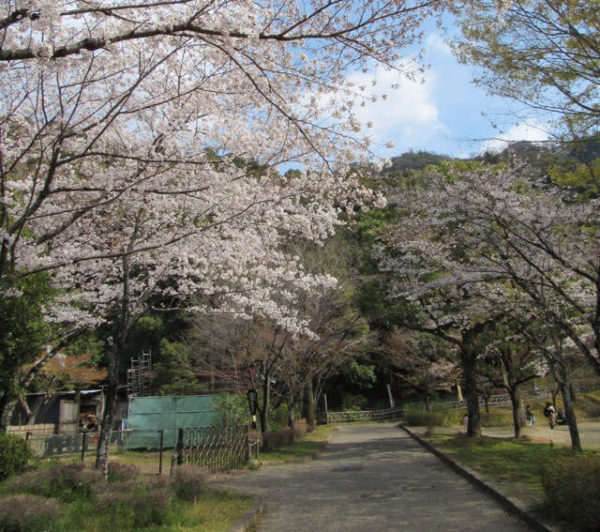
(530, 245)
(127, 130)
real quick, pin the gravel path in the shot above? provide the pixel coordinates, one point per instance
(372, 477)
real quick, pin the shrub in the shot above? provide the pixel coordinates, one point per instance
(277, 438)
(27, 512)
(134, 504)
(118, 472)
(424, 418)
(231, 410)
(14, 455)
(496, 419)
(572, 488)
(300, 428)
(67, 482)
(187, 482)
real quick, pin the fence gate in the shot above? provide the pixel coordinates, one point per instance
(218, 449)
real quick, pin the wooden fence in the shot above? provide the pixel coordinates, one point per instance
(361, 415)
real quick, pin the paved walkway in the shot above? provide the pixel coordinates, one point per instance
(372, 477)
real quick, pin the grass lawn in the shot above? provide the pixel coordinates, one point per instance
(501, 460)
(214, 511)
(84, 501)
(308, 445)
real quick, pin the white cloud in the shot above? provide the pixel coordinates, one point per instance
(407, 113)
(529, 132)
(435, 42)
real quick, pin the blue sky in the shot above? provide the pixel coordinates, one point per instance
(446, 113)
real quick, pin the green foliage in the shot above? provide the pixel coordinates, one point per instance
(23, 330)
(90, 342)
(582, 178)
(14, 455)
(359, 376)
(415, 161)
(232, 409)
(139, 503)
(415, 415)
(119, 472)
(572, 488)
(496, 419)
(135, 504)
(173, 373)
(354, 402)
(540, 55)
(145, 335)
(187, 482)
(502, 460)
(23, 513)
(67, 482)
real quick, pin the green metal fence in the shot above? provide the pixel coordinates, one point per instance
(167, 414)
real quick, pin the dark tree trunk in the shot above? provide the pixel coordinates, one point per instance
(8, 402)
(427, 400)
(110, 407)
(7, 407)
(309, 408)
(486, 403)
(565, 386)
(291, 421)
(468, 360)
(263, 413)
(518, 413)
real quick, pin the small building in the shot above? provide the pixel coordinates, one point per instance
(66, 411)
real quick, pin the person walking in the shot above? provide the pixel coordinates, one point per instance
(529, 416)
(550, 413)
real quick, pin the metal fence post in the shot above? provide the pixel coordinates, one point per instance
(162, 448)
(83, 442)
(180, 447)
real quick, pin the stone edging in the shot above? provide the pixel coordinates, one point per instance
(509, 504)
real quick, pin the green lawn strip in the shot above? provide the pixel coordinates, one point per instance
(517, 463)
(307, 445)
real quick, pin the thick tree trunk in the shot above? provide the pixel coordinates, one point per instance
(110, 407)
(291, 421)
(565, 386)
(518, 413)
(486, 403)
(263, 413)
(7, 407)
(427, 401)
(8, 402)
(470, 392)
(309, 408)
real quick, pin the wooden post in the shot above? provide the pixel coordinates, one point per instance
(162, 448)
(180, 447)
(83, 442)
(326, 410)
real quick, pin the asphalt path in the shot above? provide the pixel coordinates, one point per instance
(371, 477)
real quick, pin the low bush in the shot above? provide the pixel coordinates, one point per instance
(572, 488)
(67, 482)
(496, 419)
(277, 438)
(187, 482)
(14, 455)
(424, 418)
(140, 503)
(300, 428)
(27, 512)
(118, 472)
